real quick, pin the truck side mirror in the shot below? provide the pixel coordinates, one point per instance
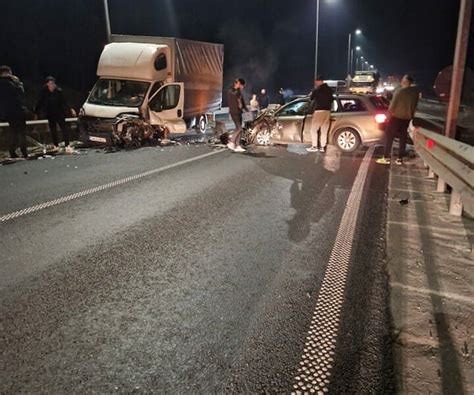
(157, 106)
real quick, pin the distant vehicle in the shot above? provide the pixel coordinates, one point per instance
(355, 120)
(365, 82)
(337, 86)
(150, 87)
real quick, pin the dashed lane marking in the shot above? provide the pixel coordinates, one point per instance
(77, 195)
(314, 371)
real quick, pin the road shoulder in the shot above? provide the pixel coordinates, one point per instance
(430, 263)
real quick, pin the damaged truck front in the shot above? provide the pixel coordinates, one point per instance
(150, 87)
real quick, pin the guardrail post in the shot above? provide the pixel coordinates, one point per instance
(441, 185)
(455, 204)
(431, 173)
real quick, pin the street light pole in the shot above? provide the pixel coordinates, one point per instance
(107, 20)
(459, 65)
(317, 41)
(352, 60)
(349, 45)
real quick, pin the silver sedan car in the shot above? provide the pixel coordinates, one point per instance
(355, 120)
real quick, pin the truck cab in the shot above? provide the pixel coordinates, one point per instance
(134, 79)
(159, 84)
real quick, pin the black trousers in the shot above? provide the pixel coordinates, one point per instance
(396, 128)
(53, 127)
(237, 119)
(17, 130)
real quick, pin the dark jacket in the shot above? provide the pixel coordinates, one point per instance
(52, 104)
(321, 99)
(236, 102)
(12, 106)
(263, 100)
(404, 103)
(280, 99)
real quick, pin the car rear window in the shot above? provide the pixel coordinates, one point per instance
(352, 105)
(380, 102)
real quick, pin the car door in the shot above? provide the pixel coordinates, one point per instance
(289, 122)
(335, 115)
(166, 107)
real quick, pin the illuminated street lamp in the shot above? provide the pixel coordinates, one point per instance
(350, 53)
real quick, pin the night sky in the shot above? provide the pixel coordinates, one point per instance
(268, 42)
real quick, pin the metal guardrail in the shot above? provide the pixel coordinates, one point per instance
(37, 122)
(453, 163)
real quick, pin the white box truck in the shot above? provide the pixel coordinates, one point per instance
(149, 87)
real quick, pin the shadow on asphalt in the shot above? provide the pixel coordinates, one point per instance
(315, 179)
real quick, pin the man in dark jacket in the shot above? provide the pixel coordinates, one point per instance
(320, 107)
(13, 110)
(52, 103)
(237, 105)
(401, 111)
(281, 97)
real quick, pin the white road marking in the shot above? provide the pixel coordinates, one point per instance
(314, 372)
(77, 195)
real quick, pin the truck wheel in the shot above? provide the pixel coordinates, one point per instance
(202, 124)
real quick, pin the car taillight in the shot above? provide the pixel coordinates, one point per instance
(380, 118)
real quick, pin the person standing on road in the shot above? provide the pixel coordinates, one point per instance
(281, 97)
(52, 103)
(13, 110)
(320, 106)
(254, 104)
(263, 99)
(237, 106)
(401, 111)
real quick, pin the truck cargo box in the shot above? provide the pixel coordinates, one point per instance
(199, 65)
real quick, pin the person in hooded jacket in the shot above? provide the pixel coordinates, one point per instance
(52, 103)
(13, 110)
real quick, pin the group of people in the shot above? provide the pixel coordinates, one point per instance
(51, 104)
(259, 102)
(401, 111)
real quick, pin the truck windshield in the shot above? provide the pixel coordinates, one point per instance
(108, 92)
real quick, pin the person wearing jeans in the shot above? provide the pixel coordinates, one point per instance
(236, 107)
(321, 103)
(401, 111)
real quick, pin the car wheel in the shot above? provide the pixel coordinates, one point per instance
(262, 134)
(263, 137)
(347, 140)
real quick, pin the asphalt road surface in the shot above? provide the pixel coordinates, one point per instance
(188, 269)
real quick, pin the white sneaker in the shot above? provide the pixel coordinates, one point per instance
(69, 150)
(312, 149)
(231, 146)
(240, 149)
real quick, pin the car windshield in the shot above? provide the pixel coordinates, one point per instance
(295, 108)
(109, 92)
